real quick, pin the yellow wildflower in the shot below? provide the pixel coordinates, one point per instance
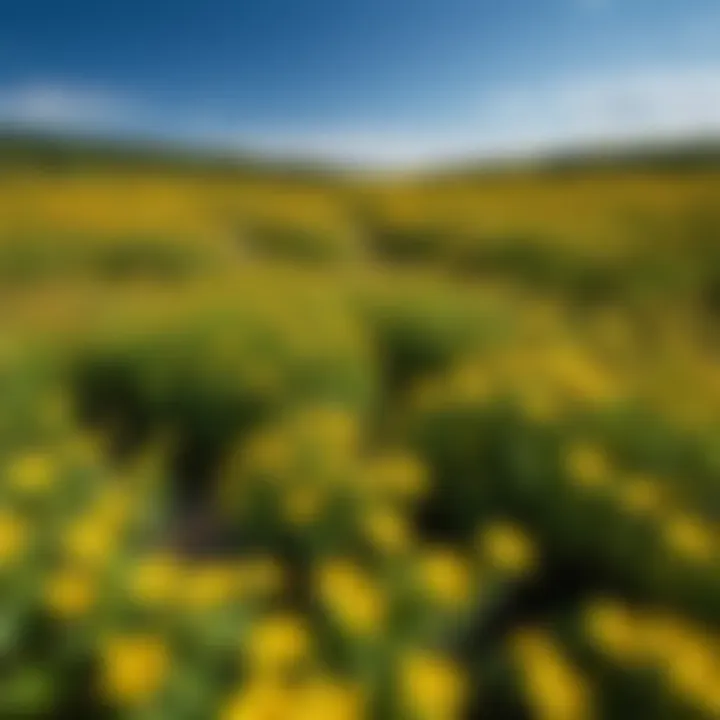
(587, 465)
(133, 668)
(70, 593)
(32, 473)
(335, 428)
(277, 643)
(612, 629)
(641, 495)
(328, 698)
(582, 377)
(387, 530)
(351, 596)
(113, 507)
(693, 670)
(260, 700)
(445, 575)
(691, 538)
(506, 547)
(554, 688)
(432, 687)
(156, 580)
(209, 585)
(13, 536)
(89, 540)
(399, 475)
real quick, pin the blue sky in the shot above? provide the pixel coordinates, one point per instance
(388, 81)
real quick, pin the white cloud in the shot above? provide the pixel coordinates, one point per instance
(644, 104)
(58, 105)
(634, 104)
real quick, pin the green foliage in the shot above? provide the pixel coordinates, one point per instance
(461, 455)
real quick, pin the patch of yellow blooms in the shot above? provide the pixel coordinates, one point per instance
(432, 687)
(277, 644)
(70, 593)
(507, 548)
(387, 530)
(133, 668)
(687, 655)
(352, 597)
(319, 697)
(32, 474)
(13, 537)
(446, 576)
(588, 466)
(554, 688)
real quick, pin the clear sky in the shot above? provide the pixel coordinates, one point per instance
(369, 80)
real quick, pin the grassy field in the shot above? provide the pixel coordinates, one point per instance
(290, 446)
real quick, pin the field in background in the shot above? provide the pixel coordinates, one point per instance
(287, 445)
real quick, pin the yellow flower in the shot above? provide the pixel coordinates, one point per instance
(133, 668)
(554, 688)
(397, 475)
(587, 466)
(156, 580)
(335, 428)
(89, 540)
(114, 505)
(612, 629)
(351, 596)
(260, 700)
(691, 538)
(277, 643)
(507, 548)
(388, 531)
(209, 585)
(32, 473)
(710, 701)
(641, 496)
(582, 377)
(445, 575)
(13, 537)
(432, 687)
(70, 593)
(327, 698)
(693, 670)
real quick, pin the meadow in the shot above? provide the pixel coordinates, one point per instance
(421, 448)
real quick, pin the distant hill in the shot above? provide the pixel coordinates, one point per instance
(68, 153)
(674, 156)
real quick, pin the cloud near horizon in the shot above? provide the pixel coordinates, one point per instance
(60, 105)
(645, 104)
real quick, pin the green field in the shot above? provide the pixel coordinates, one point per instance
(276, 443)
